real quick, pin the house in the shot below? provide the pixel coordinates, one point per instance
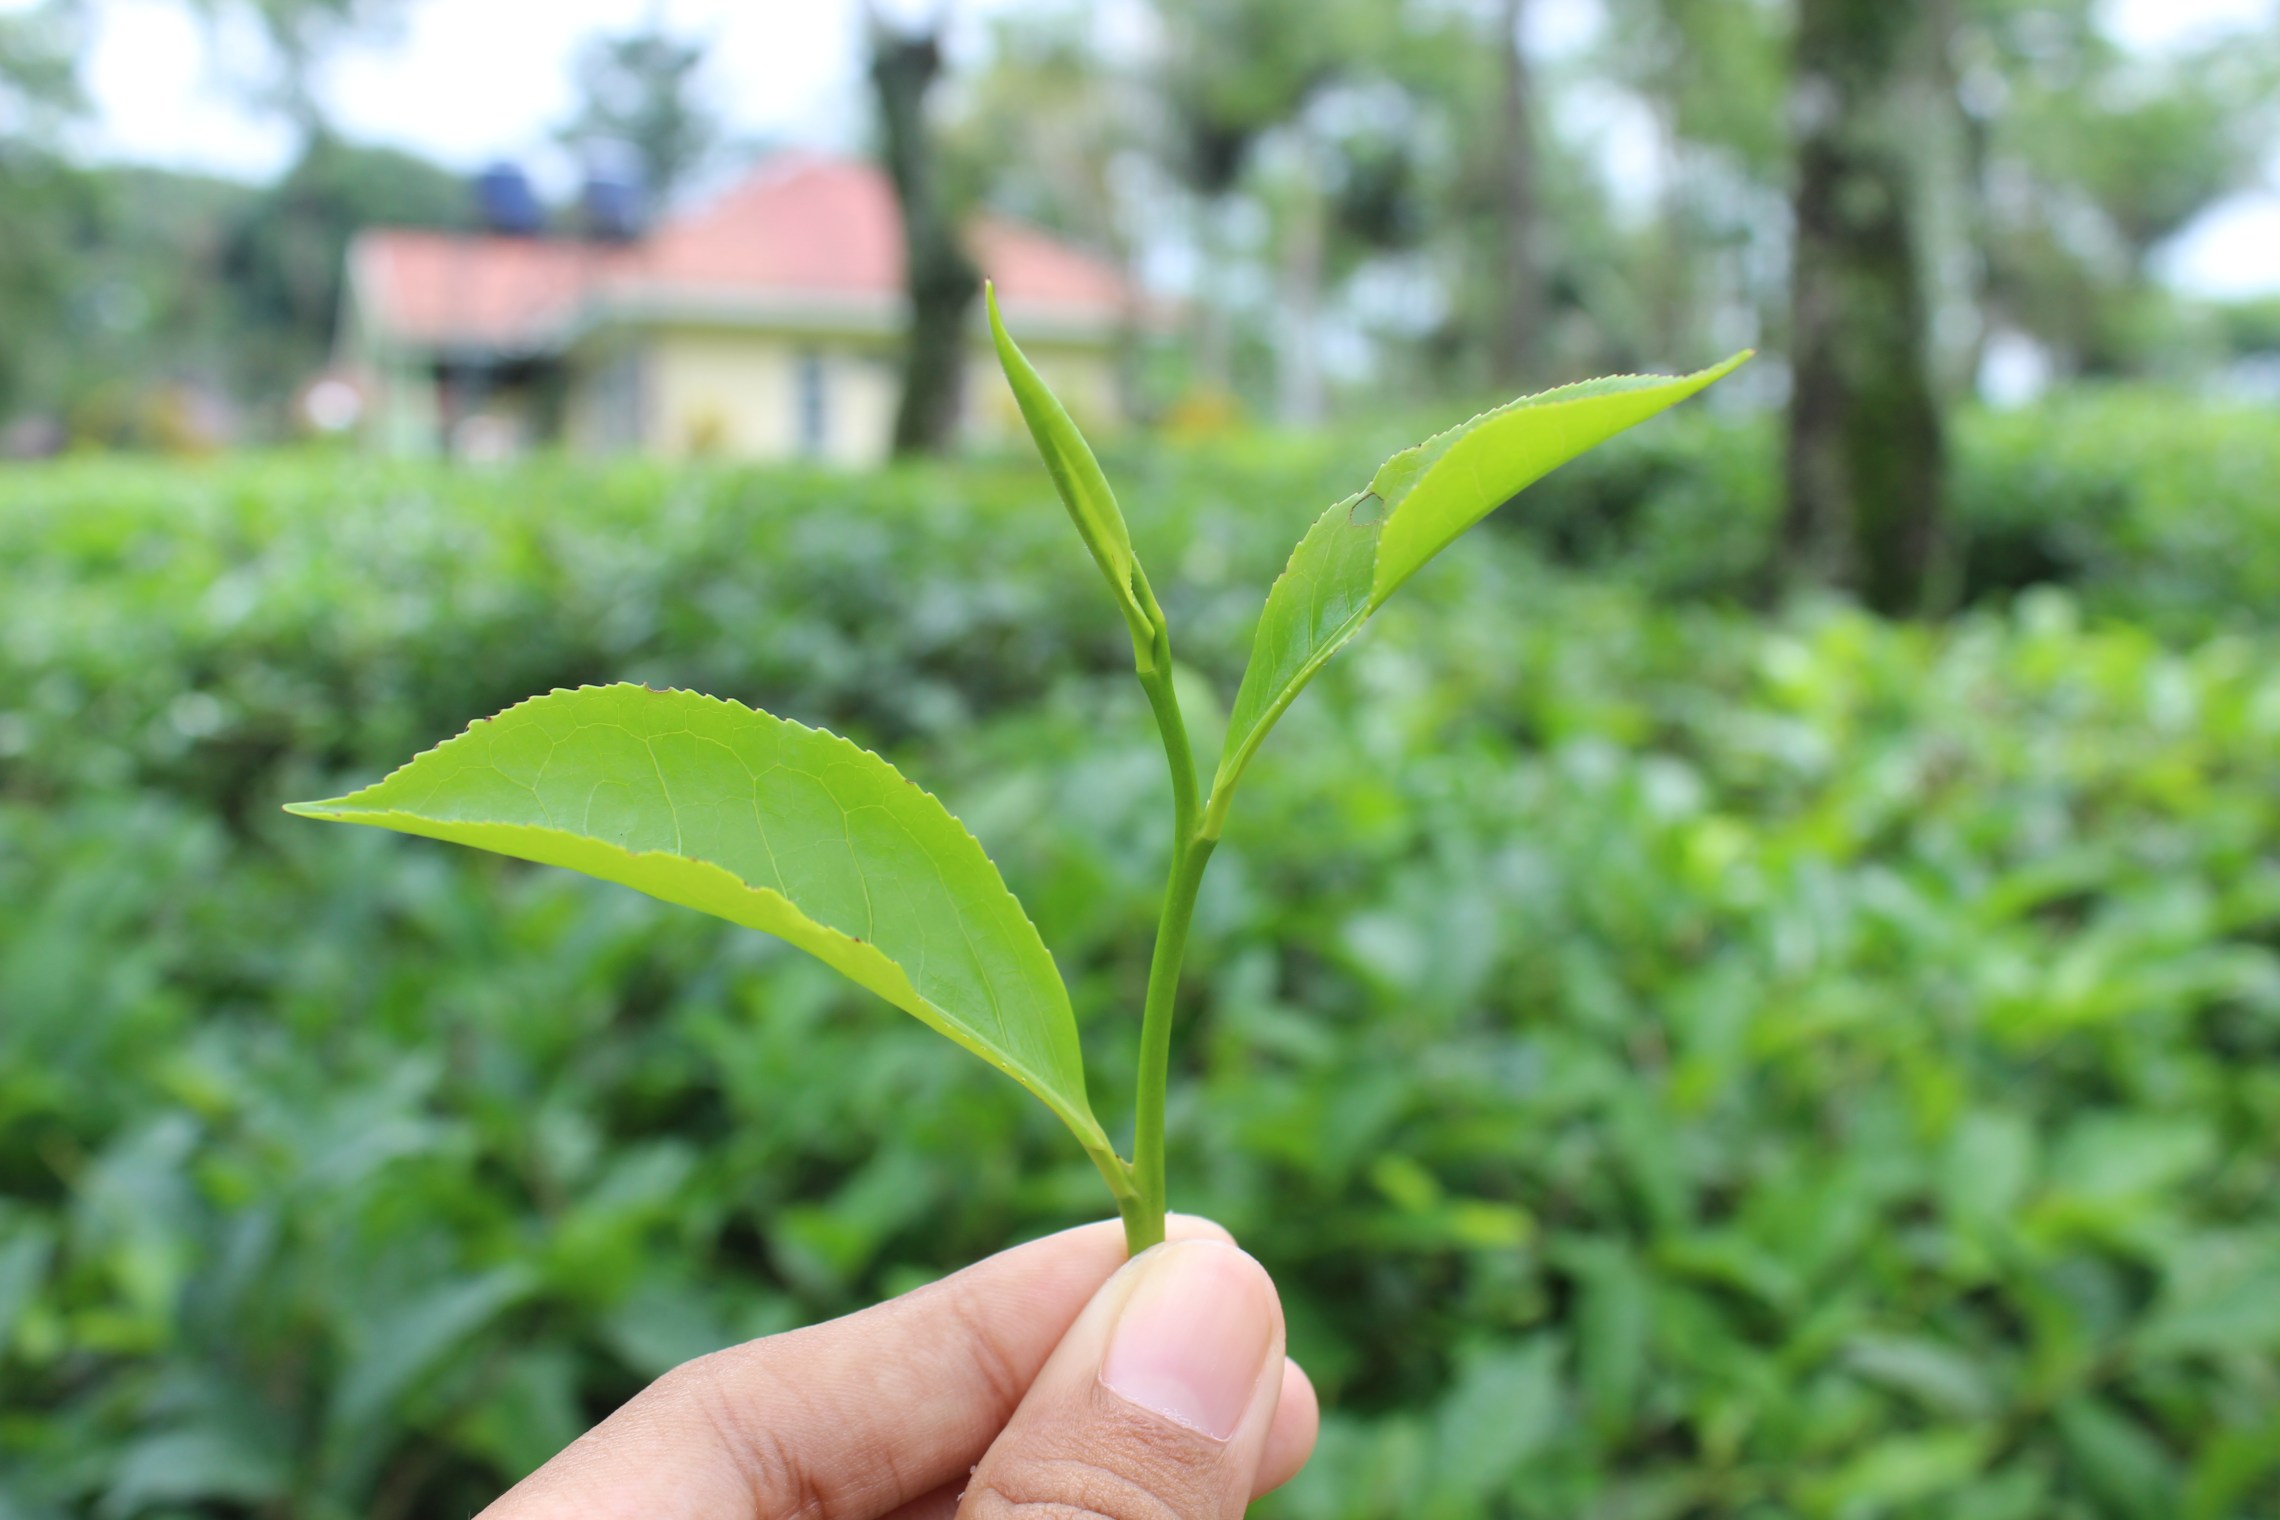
(763, 324)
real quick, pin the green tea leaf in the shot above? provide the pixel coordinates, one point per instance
(1503, 1409)
(1359, 552)
(2118, 1460)
(2222, 1294)
(408, 1340)
(1614, 1326)
(1084, 489)
(1901, 1469)
(222, 1460)
(2229, 1464)
(766, 823)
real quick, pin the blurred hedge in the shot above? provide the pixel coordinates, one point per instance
(2152, 507)
(1677, 1062)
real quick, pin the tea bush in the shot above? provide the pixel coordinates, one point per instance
(1677, 1061)
(2157, 508)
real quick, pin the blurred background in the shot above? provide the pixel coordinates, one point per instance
(1754, 992)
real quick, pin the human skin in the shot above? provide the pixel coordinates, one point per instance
(1054, 1380)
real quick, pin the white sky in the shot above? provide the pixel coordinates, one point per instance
(465, 81)
(468, 81)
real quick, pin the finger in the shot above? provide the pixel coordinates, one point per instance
(853, 1417)
(1157, 1404)
(942, 1504)
(1290, 1441)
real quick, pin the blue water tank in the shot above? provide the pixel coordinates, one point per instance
(506, 202)
(616, 197)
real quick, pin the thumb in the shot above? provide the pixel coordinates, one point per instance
(1158, 1402)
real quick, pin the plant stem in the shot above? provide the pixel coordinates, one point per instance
(1164, 702)
(1144, 1224)
(1189, 856)
(1117, 1172)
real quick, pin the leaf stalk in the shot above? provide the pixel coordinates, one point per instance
(1117, 1173)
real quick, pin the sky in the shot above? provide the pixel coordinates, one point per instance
(469, 81)
(466, 81)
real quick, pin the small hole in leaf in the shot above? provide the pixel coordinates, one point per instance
(1368, 508)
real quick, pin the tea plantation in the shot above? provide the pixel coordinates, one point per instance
(1679, 1058)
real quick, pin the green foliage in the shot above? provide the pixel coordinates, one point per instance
(640, 90)
(284, 259)
(300, 33)
(2153, 506)
(39, 81)
(1675, 1062)
(129, 283)
(1361, 550)
(1236, 69)
(2149, 142)
(40, 196)
(652, 789)
(1083, 489)
(2103, 153)
(767, 824)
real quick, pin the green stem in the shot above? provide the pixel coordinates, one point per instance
(1144, 1226)
(1164, 702)
(1189, 856)
(1166, 706)
(1117, 1172)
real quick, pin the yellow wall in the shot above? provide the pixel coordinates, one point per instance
(1083, 377)
(738, 394)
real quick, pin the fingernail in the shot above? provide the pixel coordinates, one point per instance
(1191, 1341)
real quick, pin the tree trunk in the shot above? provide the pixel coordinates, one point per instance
(1952, 154)
(1866, 451)
(1519, 330)
(939, 277)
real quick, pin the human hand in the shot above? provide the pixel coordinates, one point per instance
(1054, 1379)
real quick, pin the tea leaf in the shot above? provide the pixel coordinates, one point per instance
(2123, 1467)
(766, 823)
(1084, 489)
(1359, 552)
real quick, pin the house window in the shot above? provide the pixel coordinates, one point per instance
(814, 419)
(614, 418)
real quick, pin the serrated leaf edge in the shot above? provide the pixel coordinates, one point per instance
(342, 809)
(1232, 764)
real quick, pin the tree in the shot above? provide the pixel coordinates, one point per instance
(1866, 443)
(42, 198)
(39, 81)
(1232, 71)
(939, 276)
(282, 258)
(1268, 101)
(1040, 126)
(641, 91)
(2102, 155)
(300, 33)
(1713, 75)
(1519, 332)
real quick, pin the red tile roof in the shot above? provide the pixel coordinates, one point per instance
(804, 233)
(438, 289)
